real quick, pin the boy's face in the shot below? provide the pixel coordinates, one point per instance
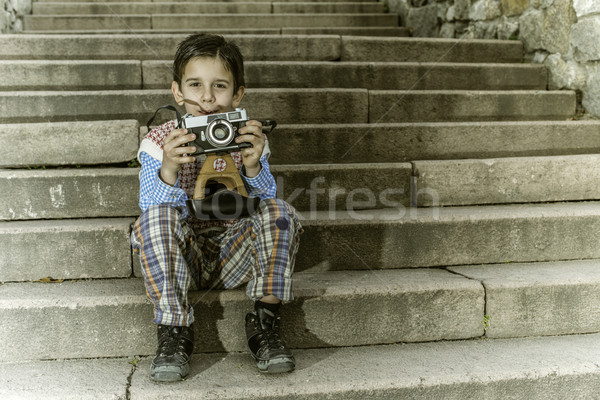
(206, 87)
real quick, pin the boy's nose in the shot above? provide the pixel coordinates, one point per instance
(207, 95)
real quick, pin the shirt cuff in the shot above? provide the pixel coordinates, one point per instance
(166, 193)
(262, 184)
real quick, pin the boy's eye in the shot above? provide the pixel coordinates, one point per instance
(220, 85)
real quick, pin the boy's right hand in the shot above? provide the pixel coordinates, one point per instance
(175, 154)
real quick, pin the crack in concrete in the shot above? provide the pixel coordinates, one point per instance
(130, 377)
(486, 317)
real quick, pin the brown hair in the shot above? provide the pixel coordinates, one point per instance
(208, 45)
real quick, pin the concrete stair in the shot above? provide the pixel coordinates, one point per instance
(449, 202)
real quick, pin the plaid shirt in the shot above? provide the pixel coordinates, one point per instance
(154, 191)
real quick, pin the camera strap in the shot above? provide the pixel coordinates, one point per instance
(167, 107)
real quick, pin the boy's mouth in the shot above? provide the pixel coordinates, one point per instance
(202, 112)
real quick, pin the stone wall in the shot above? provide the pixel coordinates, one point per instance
(562, 34)
(11, 14)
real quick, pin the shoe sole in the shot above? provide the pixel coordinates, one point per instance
(169, 373)
(276, 366)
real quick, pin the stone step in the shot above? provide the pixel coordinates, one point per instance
(113, 192)
(202, 1)
(69, 143)
(205, 8)
(430, 50)
(302, 106)
(405, 142)
(161, 46)
(507, 180)
(211, 21)
(333, 240)
(262, 48)
(499, 368)
(107, 318)
(65, 249)
(373, 75)
(298, 106)
(539, 299)
(132, 74)
(463, 105)
(70, 75)
(69, 193)
(421, 237)
(397, 31)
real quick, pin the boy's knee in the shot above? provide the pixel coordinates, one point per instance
(280, 213)
(159, 214)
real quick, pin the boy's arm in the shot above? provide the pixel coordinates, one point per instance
(154, 191)
(262, 185)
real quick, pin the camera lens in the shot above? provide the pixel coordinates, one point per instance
(220, 133)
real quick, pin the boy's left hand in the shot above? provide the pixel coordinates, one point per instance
(252, 133)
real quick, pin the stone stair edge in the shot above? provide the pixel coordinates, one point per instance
(369, 235)
(384, 142)
(451, 370)
(340, 293)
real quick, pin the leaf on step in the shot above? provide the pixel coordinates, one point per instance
(49, 279)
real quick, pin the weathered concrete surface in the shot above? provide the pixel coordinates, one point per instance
(430, 50)
(69, 193)
(509, 180)
(537, 368)
(398, 31)
(555, 298)
(62, 380)
(70, 22)
(426, 237)
(404, 142)
(373, 75)
(344, 186)
(70, 75)
(80, 319)
(68, 143)
(206, 8)
(161, 46)
(149, 7)
(166, 21)
(67, 249)
(447, 105)
(283, 105)
(189, 20)
(105, 318)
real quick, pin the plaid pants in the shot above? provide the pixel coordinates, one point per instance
(259, 249)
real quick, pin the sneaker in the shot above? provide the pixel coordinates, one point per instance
(267, 349)
(175, 347)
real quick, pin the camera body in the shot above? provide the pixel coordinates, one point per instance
(216, 133)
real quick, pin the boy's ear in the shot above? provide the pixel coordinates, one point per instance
(177, 93)
(237, 96)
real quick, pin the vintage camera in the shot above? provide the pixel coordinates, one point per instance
(216, 133)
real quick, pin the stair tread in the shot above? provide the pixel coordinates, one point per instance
(450, 370)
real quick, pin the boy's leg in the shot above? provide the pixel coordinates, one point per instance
(261, 250)
(169, 257)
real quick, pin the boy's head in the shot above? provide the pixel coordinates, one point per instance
(208, 69)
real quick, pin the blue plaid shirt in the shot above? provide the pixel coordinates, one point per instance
(154, 191)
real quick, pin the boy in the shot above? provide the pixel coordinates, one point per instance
(179, 253)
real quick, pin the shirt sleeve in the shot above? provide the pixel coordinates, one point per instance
(154, 191)
(262, 185)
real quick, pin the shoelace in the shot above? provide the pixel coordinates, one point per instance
(271, 337)
(174, 342)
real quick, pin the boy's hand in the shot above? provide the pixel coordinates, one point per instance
(252, 133)
(175, 154)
